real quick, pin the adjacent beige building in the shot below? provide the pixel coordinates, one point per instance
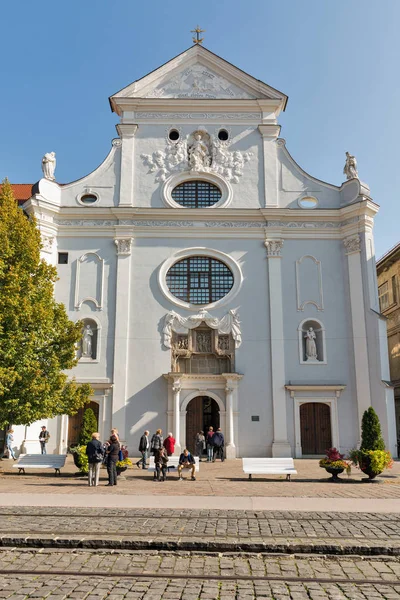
(388, 270)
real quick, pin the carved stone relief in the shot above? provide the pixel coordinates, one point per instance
(229, 324)
(198, 81)
(200, 152)
(198, 116)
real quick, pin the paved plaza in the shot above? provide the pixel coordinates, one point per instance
(61, 540)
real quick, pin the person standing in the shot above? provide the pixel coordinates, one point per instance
(210, 446)
(9, 443)
(44, 437)
(156, 441)
(169, 444)
(200, 444)
(95, 454)
(161, 464)
(112, 458)
(218, 443)
(144, 447)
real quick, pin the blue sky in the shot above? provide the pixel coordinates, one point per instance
(337, 62)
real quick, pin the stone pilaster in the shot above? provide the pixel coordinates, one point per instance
(280, 444)
(352, 245)
(127, 135)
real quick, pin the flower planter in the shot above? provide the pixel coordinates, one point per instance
(366, 468)
(334, 472)
(121, 470)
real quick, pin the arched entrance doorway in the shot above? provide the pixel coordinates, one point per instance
(315, 428)
(202, 412)
(75, 423)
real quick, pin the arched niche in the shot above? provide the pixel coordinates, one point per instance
(318, 330)
(89, 345)
(89, 280)
(309, 282)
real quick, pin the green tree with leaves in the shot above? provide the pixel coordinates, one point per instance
(89, 426)
(371, 435)
(37, 340)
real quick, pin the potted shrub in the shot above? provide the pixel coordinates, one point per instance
(371, 458)
(80, 459)
(334, 463)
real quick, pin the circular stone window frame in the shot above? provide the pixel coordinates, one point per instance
(88, 193)
(172, 182)
(308, 197)
(232, 264)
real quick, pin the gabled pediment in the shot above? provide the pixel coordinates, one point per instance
(198, 73)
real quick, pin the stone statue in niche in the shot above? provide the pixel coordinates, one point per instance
(203, 342)
(87, 335)
(49, 165)
(350, 167)
(199, 153)
(311, 346)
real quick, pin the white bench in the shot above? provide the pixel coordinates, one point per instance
(40, 461)
(172, 464)
(269, 466)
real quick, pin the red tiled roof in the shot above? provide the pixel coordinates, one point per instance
(22, 191)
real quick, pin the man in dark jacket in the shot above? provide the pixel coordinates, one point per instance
(112, 458)
(95, 454)
(218, 443)
(186, 461)
(144, 447)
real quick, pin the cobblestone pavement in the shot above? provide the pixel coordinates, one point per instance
(214, 479)
(84, 575)
(170, 523)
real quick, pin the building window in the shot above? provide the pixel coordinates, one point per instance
(383, 292)
(199, 280)
(394, 289)
(196, 194)
(63, 258)
(308, 202)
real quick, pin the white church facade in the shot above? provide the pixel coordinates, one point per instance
(218, 283)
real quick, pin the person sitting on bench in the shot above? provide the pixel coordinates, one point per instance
(186, 461)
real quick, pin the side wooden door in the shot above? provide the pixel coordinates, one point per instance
(315, 428)
(194, 421)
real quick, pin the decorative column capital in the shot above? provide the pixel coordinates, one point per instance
(126, 130)
(47, 243)
(229, 390)
(274, 248)
(123, 246)
(176, 386)
(352, 244)
(269, 131)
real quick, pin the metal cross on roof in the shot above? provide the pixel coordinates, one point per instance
(197, 39)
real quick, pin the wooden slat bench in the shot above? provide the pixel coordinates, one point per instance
(40, 461)
(172, 464)
(269, 466)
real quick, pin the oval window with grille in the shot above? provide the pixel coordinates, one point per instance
(199, 280)
(196, 194)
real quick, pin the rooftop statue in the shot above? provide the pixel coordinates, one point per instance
(350, 168)
(49, 165)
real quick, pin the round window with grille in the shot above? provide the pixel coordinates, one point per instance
(196, 194)
(199, 280)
